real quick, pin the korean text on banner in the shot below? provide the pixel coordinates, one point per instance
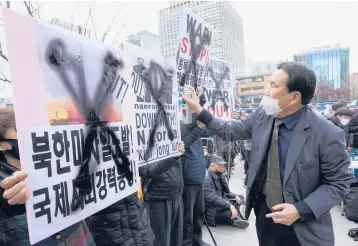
(192, 57)
(156, 107)
(218, 89)
(73, 108)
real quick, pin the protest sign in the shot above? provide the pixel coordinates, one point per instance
(218, 88)
(156, 107)
(193, 55)
(75, 117)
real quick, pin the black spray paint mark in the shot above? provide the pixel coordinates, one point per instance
(160, 84)
(204, 39)
(218, 95)
(58, 58)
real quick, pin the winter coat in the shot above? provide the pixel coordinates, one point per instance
(353, 132)
(125, 223)
(214, 186)
(338, 123)
(14, 229)
(193, 161)
(165, 177)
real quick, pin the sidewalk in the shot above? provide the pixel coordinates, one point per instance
(229, 236)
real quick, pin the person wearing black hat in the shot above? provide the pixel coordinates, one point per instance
(335, 107)
(221, 205)
(341, 119)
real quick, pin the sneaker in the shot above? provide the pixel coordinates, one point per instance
(240, 223)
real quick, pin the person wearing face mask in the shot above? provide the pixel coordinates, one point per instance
(221, 206)
(299, 171)
(341, 118)
(14, 193)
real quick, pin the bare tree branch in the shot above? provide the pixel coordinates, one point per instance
(28, 8)
(94, 27)
(2, 55)
(4, 79)
(114, 41)
(109, 26)
(32, 10)
(89, 16)
(38, 10)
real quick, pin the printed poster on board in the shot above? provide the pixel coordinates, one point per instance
(156, 105)
(66, 86)
(192, 57)
(218, 89)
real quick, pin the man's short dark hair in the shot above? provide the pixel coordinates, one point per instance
(337, 105)
(344, 111)
(301, 79)
(140, 58)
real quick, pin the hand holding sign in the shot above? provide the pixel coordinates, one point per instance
(15, 188)
(193, 102)
(181, 148)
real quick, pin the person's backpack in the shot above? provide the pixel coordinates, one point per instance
(351, 203)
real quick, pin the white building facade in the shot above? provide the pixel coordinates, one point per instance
(145, 40)
(228, 35)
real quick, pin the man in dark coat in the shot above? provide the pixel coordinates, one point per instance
(221, 206)
(163, 187)
(300, 173)
(194, 168)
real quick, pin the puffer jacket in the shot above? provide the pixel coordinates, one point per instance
(213, 199)
(337, 122)
(14, 228)
(353, 131)
(193, 161)
(165, 177)
(14, 232)
(125, 223)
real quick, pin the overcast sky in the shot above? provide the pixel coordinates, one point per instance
(272, 30)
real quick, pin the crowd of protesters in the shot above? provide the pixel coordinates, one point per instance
(182, 193)
(172, 212)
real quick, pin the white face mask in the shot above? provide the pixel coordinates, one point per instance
(344, 121)
(271, 105)
(205, 153)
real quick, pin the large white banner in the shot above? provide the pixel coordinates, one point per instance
(193, 54)
(75, 110)
(218, 89)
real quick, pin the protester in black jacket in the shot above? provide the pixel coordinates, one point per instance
(194, 168)
(163, 188)
(341, 119)
(353, 134)
(125, 223)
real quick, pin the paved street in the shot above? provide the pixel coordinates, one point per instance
(229, 236)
